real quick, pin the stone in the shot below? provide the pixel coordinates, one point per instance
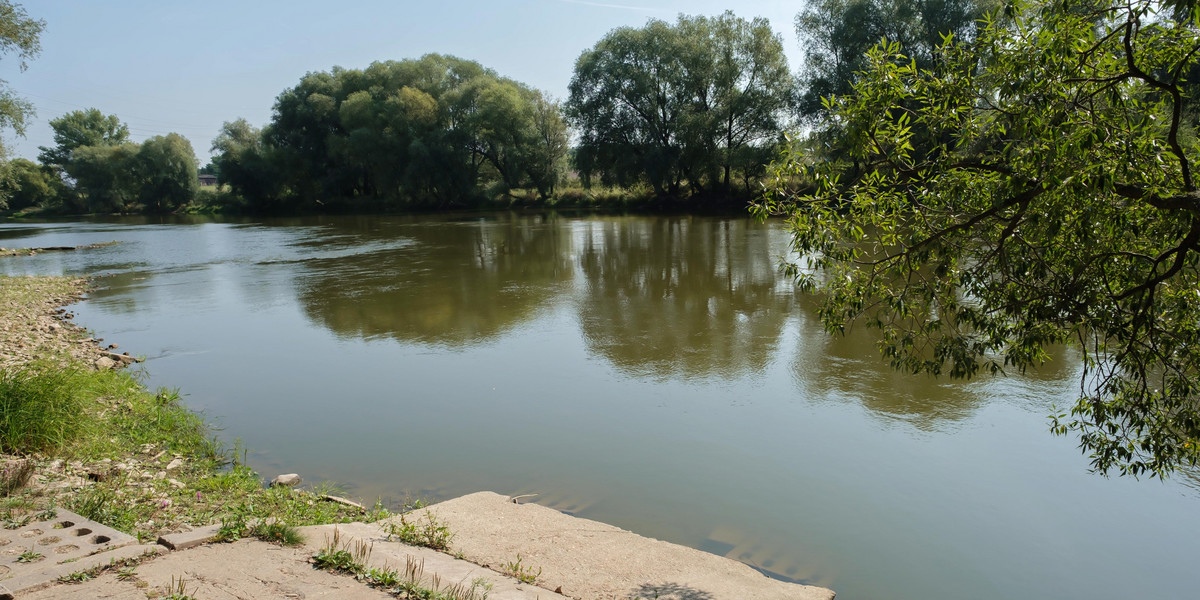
(286, 480)
(160, 475)
(175, 464)
(105, 363)
(177, 484)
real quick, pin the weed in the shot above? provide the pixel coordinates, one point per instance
(76, 577)
(30, 556)
(17, 521)
(278, 533)
(521, 572)
(339, 558)
(233, 527)
(432, 533)
(384, 578)
(126, 574)
(177, 590)
(412, 584)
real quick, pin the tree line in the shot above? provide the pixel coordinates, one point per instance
(688, 111)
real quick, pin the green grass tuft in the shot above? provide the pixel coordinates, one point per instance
(39, 409)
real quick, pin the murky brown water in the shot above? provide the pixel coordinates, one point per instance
(652, 372)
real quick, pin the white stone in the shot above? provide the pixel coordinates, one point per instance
(286, 480)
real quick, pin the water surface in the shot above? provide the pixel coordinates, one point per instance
(655, 373)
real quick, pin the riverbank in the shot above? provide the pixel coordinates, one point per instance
(111, 450)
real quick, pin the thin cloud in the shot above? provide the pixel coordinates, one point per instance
(617, 6)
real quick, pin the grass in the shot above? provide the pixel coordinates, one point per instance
(353, 558)
(110, 415)
(522, 573)
(429, 532)
(177, 590)
(39, 407)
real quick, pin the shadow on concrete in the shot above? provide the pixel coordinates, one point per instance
(670, 591)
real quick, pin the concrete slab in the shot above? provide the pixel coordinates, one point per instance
(243, 569)
(39, 546)
(441, 570)
(30, 582)
(595, 561)
(190, 539)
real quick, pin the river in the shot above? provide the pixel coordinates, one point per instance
(653, 372)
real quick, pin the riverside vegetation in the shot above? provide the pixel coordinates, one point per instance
(98, 443)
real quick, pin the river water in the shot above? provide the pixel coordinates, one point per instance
(656, 373)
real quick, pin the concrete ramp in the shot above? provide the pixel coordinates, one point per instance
(594, 561)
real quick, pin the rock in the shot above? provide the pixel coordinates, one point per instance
(175, 464)
(160, 475)
(176, 483)
(124, 359)
(105, 363)
(287, 480)
(53, 327)
(147, 448)
(343, 501)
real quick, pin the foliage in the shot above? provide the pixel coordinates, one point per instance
(106, 178)
(28, 184)
(167, 169)
(1051, 199)
(689, 102)
(836, 35)
(21, 34)
(80, 129)
(437, 131)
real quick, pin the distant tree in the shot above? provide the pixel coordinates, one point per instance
(166, 170)
(241, 163)
(107, 178)
(674, 104)
(30, 184)
(434, 131)
(80, 128)
(546, 163)
(836, 35)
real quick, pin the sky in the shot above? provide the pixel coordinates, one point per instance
(187, 67)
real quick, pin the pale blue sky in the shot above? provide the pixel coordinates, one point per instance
(165, 66)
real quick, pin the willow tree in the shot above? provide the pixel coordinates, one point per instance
(438, 130)
(682, 103)
(1052, 199)
(20, 34)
